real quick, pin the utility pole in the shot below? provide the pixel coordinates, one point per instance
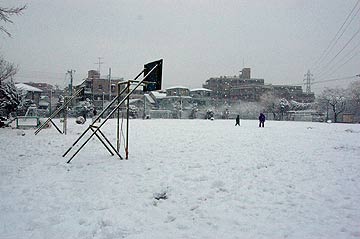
(144, 115)
(99, 63)
(308, 81)
(71, 72)
(109, 84)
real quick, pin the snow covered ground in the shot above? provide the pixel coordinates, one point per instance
(287, 180)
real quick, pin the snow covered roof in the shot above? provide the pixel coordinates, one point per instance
(82, 82)
(177, 96)
(158, 95)
(43, 103)
(134, 100)
(177, 87)
(200, 89)
(28, 88)
(148, 97)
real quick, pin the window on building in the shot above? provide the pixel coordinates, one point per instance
(100, 87)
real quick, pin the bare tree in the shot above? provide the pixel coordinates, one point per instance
(334, 99)
(5, 15)
(7, 70)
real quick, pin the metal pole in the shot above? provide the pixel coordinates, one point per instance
(103, 141)
(71, 81)
(112, 112)
(127, 124)
(50, 102)
(103, 100)
(118, 122)
(96, 119)
(57, 111)
(144, 115)
(65, 120)
(109, 84)
(180, 106)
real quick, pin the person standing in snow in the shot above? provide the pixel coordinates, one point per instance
(237, 120)
(84, 112)
(94, 115)
(261, 120)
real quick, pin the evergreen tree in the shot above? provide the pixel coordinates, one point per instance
(9, 98)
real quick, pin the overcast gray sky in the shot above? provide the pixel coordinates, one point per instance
(198, 39)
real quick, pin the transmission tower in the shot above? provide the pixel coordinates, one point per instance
(99, 63)
(308, 81)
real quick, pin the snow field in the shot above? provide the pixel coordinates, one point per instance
(287, 180)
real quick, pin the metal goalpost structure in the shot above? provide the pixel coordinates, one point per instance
(149, 79)
(63, 108)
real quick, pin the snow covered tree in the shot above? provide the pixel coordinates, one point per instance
(353, 101)
(6, 13)
(269, 102)
(283, 107)
(9, 98)
(294, 105)
(277, 106)
(335, 100)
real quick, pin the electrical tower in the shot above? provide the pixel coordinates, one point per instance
(99, 63)
(308, 81)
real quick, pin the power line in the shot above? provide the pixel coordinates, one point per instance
(329, 80)
(37, 77)
(332, 59)
(40, 72)
(337, 79)
(335, 38)
(338, 65)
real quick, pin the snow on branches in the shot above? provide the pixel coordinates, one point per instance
(9, 98)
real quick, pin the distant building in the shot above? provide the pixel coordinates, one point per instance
(49, 95)
(200, 93)
(99, 89)
(243, 87)
(201, 97)
(177, 91)
(235, 87)
(291, 92)
(30, 92)
(45, 87)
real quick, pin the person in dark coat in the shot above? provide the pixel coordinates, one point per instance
(237, 120)
(261, 120)
(84, 113)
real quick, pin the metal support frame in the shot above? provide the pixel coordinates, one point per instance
(25, 118)
(63, 107)
(127, 123)
(96, 129)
